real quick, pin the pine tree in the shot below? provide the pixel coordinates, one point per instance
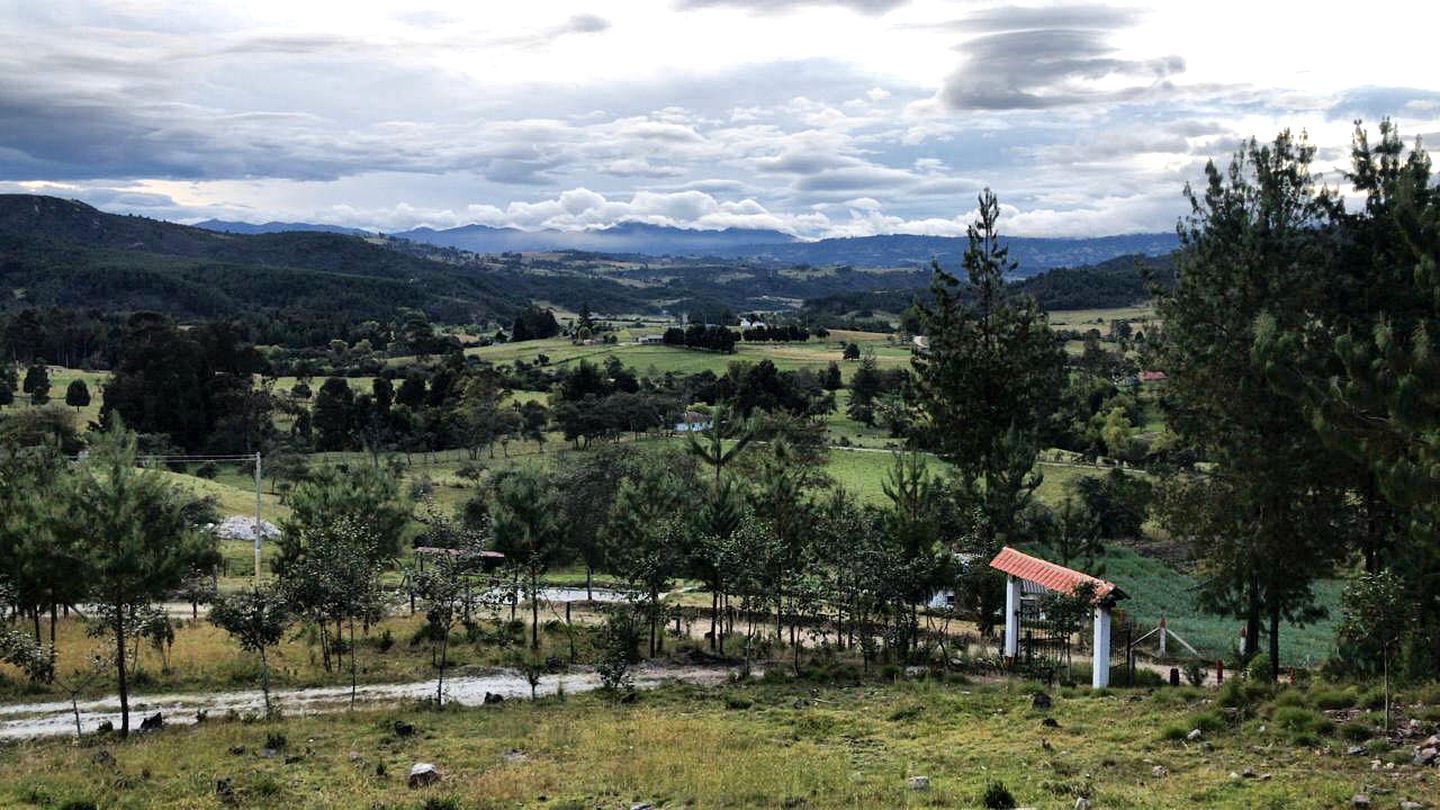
(990, 378)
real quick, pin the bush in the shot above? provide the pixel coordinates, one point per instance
(998, 797)
(1333, 699)
(1208, 722)
(1301, 721)
(1259, 668)
(1356, 732)
(1173, 733)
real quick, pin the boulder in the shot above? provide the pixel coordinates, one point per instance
(1409, 805)
(1082, 803)
(154, 722)
(103, 758)
(1355, 751)
(224, 791)
(268, 753)
(1360, 800)
(642, 806)
(423, 774)
(491, 697)
(105, 727)
(918, 783)
(1248, 773)
(1159, 772)
(403, 729)
(1194, 735)
(1049, 722)
(1427, 756)
(1041, 701)
(514, 755)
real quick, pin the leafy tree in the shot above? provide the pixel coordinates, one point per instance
(526, 525)
(646, 537)
(37, 384)
(139, 534)
(77, 394)
(851, 352)
(1377, 614)
(366, 496)
(338, 580)
(257, 619)
(990, 378)
(333, 415)
(831, 379)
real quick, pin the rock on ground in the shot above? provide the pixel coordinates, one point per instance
(423, 774)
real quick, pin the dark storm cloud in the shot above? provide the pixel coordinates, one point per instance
(1040, 58)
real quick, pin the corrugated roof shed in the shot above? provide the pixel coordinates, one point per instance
(1051, 575)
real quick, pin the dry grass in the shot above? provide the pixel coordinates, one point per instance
(750, 745)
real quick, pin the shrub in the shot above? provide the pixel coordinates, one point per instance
(1356, 732)
(1290, 697)
(1259, 668)
(1194, 673)
(1173, 733)
(1302, 721)
(1333, 699)
(998, 797)
(1208, 722)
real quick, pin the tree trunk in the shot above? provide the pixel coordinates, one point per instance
(123, 686)
(534, 612)
(265, 680)
(352, 663)
(1275, 642)
(1252, 621)
(440, 684)
(714, 613)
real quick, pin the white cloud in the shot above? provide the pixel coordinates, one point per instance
(812, 117)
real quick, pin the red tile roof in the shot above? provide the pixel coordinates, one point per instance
(1054, 577)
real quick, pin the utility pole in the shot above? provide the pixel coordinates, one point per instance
(258, 533)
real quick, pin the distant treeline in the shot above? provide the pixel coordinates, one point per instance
(1120, 282)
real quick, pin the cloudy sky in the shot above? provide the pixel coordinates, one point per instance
(845, 117)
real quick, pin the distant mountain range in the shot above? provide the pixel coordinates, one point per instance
(229, 226)
(626, 237)
(1035, 255)
(64, 253)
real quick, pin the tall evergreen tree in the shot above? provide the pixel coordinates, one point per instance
(990, 377)
(1255, 248)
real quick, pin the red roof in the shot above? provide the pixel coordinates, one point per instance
(1152, 376)
(1054, 577)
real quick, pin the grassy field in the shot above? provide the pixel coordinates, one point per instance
(754, 744)
(1156, 590)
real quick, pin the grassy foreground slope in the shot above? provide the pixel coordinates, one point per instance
(751, 745)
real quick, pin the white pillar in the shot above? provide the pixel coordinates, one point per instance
(1100, 666)
(1012, 617)
(1162, 635)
